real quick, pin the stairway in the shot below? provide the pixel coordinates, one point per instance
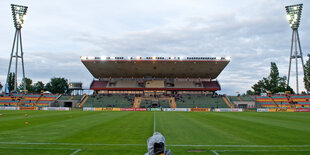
(172, 102)
(274, 102)
(290, 100)
(137, 102)
(39, 99)
(21, 100)
(229, 104)
(84, 98)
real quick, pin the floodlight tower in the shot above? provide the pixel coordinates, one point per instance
(293, 16)
(19, 14)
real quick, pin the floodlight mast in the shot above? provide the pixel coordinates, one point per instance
(294, 16)
(19, 15)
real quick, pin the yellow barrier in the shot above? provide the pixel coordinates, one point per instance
(116, 109)
(201, 109)
(290, 110)
(107, 109)
(281, 110)
(98, 109)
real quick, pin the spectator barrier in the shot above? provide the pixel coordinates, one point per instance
(228, 109)
(200, 109)
(9, 108)
(153, 109)
(176, 109)
(262, 110)
(302, 110)
(57, 108)
(88, 109)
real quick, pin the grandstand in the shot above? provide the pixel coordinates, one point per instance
(283, 101)
(155, 81)
(242, 101)
(27, 100)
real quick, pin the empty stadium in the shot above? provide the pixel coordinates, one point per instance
(125, 100)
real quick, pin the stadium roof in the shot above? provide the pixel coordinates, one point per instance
(159, 67)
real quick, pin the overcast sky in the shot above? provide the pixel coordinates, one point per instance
(56, 33)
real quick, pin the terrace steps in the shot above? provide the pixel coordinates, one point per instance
(137, 102)
(274, 102)
(22, 100)
(84, 99)
(39, 99)
(290, 101)
(172, 102)
(229, 104)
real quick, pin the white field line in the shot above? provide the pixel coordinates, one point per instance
(154, 122)
(22, 143)
(76, 151)
(214, 151)
(259, 146)
(261, 150)
(176, 145)
(27, 148)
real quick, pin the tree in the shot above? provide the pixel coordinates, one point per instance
(29, 86)
(11, 81)
(249, 92)
(37, 87)
(307, 74)
(273, 83)
(57, 85)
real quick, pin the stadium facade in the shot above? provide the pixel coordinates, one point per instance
(155, 75)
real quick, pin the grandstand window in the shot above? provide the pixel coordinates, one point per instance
(97, 58)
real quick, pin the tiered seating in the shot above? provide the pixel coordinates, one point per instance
(77, 97)
(110, 101)
(164, 104)
(126, 84)
(211, 85)
(46, 100)
(246, 98)
(145, 104)
(302, 101)
(30, 100)
(184, 84)
(10, 100)
(233, 98)
(98, 84)
(266, 101)
(200, 101)
(155, 84)
(64, 97)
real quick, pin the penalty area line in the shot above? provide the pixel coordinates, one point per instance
(214, 151)
(76, 151)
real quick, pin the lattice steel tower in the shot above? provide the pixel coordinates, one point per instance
(293, 16)
(19, 14)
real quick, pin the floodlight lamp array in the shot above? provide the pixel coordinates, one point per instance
(294, 15)
(19, 15)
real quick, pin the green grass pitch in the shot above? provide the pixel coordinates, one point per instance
(214, 133)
